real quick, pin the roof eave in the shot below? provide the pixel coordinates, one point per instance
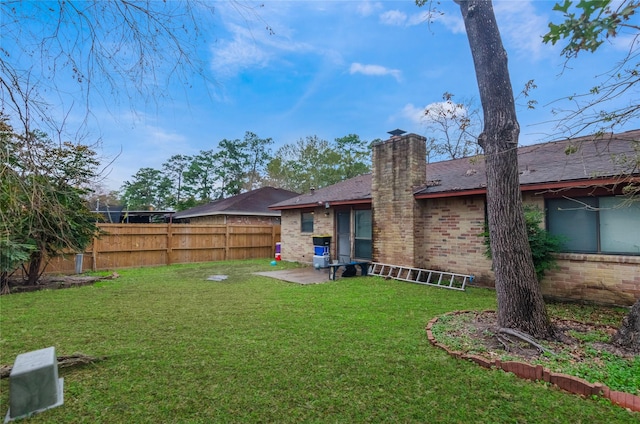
(244, 213)
(584, 183)
(318, 204)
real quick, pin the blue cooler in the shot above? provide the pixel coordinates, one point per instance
(320, 250)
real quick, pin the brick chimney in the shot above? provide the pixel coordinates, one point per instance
(399, 167)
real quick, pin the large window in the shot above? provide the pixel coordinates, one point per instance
(362, 234)
(306, 222)
(596, 224)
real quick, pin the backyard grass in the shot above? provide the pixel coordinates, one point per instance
(181, 349)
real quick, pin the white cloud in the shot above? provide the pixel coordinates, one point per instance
(246, 48)
(624, 42)
(434, 112)
(237, 54)
(393, 17)
(413, 113)
(374, 70)
(450, 19)
(453, 23)
(521, 28)
(420, 116)
(366, 8)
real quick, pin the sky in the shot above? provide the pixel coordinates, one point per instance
(333, 68)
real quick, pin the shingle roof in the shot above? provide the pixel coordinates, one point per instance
(254, 202)
(351, 191)
(538, 163)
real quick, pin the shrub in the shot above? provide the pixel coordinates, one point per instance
(543, 244)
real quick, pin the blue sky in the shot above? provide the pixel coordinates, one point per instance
(331, 68)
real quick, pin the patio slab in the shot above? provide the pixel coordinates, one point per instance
(307, 275)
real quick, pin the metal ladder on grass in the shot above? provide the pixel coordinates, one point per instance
(448, 280)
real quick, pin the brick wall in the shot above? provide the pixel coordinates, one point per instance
(609, 279)
(399, 166)
(452, 241)
(452, 244)
(297, 246)
(606, 279)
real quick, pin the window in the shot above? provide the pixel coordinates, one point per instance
(306, 222)
(596, 224)
(362, 234)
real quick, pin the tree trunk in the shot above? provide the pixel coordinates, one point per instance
(34, 269)
(520, 303)
(628, 335)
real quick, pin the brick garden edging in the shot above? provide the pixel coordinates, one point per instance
(566, 382)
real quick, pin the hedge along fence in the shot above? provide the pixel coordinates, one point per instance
(141, 245)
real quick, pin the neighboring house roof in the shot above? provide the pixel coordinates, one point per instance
(545, 165)
(254, 202)
(352, 191)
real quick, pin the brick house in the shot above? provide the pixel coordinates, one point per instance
(408, 212)
(251, 208)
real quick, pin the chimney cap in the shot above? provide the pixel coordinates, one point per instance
(397, 132)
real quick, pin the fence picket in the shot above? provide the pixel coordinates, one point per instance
(140, 245)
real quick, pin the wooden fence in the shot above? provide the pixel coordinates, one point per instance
(140, 245)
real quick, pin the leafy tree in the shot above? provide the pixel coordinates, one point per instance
(586, 26)
(315, 163)
(457, 126)
(42, 203)
(186, 181)
(174, 169)
(589, 23)
(302, 165)
(258, 155)
(520, 302)
(353, 156)
(200, 176)
(232, 161)
(149, 189)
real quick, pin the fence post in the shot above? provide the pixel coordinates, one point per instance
(94, 254)
(273, 240)
(226, 243)
(169, 242)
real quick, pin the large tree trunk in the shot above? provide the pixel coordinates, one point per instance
(628, 335)
(520, 303)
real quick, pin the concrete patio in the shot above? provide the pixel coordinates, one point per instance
(306, 275)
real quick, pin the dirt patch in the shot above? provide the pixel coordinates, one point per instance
(478, 333)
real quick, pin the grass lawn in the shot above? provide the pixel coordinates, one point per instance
(181, 349)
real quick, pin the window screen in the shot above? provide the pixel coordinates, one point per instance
(306, 221)
(596, 224)
(362, 234)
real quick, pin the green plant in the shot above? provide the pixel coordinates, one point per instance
(543, 244)
(11, 256)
